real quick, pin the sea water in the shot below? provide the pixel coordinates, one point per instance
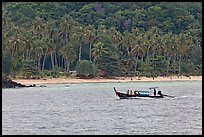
(94, 109)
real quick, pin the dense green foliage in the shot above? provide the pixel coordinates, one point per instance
(85, 68)
(119, 38)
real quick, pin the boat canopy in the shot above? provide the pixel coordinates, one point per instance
(142, 91)
(153, 87)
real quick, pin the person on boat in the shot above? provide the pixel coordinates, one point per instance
(131, 93)
(155, 92)
(128, 92)
(160, 94)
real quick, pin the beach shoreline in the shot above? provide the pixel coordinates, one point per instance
(70, 80)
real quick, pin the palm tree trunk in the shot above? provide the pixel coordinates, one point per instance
(62, 62)
(56, 62)
(147, 60)
(167, 69)
(142, 58)
(44, 60)
(59, 60)
(29, 54)
(80, 51)
(136, 63)
(39, 65)
(24, 55)
(179, 65)
(90, 51)
(52, 60)
(67, 66)
(153, 64)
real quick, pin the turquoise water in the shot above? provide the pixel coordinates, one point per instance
(94, 109)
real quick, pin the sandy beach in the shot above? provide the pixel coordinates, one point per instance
(70, 80)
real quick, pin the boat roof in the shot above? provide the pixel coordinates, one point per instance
(153, 87)
(144, 91)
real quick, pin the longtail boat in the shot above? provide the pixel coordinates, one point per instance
(137, 94)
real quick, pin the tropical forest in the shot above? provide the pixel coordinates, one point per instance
(101, 39)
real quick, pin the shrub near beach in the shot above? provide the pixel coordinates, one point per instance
(85, 69)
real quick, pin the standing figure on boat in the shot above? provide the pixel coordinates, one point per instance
(155, 92)
(159, 93)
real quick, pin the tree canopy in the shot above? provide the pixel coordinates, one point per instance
(119, 38)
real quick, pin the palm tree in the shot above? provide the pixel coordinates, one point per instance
(39, 27)
(172, 48)
(17, 41)
(137, 50)
(167, 42)
(128, 41)
(116, 37)
(28, 43)
(53, 34)
(38, 52)
(51, 48)
(90, 38)
(45, 41)
(69, 55)
(101, 33)
(66, 26)
(130, 61)
(99, 50)
(39, 31)
(184, 42)
(152, 37)
(80, 37)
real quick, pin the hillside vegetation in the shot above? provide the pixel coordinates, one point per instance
(116, 38)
